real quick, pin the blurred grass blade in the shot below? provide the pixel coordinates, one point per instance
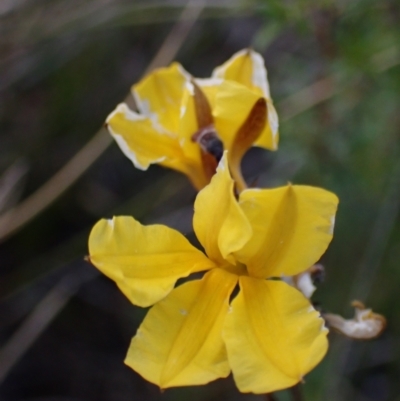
(11, 183)
(41, 316)
(29, 208)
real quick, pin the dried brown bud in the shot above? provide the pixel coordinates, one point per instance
(364, 326)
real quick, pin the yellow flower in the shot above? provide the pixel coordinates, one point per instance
(269, 335)
(185, 123)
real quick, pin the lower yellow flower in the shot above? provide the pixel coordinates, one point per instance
(269, 335)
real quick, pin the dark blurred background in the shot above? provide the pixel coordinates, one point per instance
(334, 72)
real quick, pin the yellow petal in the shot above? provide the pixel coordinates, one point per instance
(210, 87)
(159, 95)
(233, 105)
(273, 336)
(188, 125)
(144, 261)
(219, 223)
(179, 343)
(269, 137)
(141, 140)
(292, 227)
(144, 143)
(247, 68)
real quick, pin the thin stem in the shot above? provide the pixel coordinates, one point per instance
(295, 391)
(270, 397)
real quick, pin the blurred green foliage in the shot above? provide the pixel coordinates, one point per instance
(65, 65)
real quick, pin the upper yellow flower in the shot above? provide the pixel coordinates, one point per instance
(270, 336)
(185, 123)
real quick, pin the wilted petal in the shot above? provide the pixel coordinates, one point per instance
(179, 343)
(142, 141)
(202, 106)
(364, 326)
(144, 261)
(195, 116)
(245, 138)
(273, 336)
(145, 143)
(292, 227)
(219, 223)
(210, 87)
(159, 95)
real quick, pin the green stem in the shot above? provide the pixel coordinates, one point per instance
(295, 391)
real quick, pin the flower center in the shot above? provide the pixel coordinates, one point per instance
(209, 142)
(239, 269)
